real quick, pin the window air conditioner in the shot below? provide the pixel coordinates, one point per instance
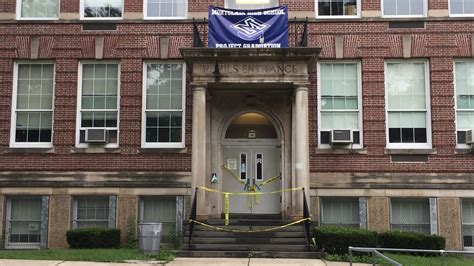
(469, 139)
(95, 135)
(339, 136)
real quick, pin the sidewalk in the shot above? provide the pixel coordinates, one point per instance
(185, 262)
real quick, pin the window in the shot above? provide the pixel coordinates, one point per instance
(407, 104)
(461, 8)
(101, 9)
(163, 105)
(24, 222)
(410, 215)
(165, 210)
(340, 211)
(32, 115)
(339, 99)
(165, 9)
(464, 86)
(37, 10)
(99, 102)
(93, 211)
(468, 223)
(250, 4)
(338, 8)
(404, 8)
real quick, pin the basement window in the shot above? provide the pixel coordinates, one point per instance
(340, 212)
(410, 215)
(167, 210)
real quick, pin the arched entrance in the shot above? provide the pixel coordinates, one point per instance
(251, 156)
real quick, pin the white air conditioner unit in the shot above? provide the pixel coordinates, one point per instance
(469, 139)
(341, 136)
(96, 135)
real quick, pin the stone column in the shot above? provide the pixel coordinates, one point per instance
(449, 217)
(199, 148)
(378, 214)
(127, 216)
(301, 148)
(59, 223)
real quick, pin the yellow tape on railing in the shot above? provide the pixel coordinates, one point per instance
(226, 208)
(252, 193)
(249, 231)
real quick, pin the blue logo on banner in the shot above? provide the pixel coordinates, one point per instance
(261, 28)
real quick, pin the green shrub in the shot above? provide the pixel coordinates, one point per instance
(410, 240)
(93, 238)
(336, 240)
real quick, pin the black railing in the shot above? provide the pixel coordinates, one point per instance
(192, 217)
(307, 222)
(297, 33)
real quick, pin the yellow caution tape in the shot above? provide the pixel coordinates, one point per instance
(269, 180)
(253, 193)
(249, 231)
(234, 175)
(226, 208)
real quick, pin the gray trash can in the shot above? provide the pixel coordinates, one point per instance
(149, 237)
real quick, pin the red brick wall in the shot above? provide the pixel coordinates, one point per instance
(438, 4)
(371, 4)
(370, 42)
(70, 6)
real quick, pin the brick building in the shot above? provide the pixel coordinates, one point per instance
(109, 116)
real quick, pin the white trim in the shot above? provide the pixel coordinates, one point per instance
(19, 17)
(359, 100)
(81, 12)
(467, 15)
(428, 144)
(425, 11)
(79, 105)
(146, 17)
(13, 143)
(316, 10)
(459, 145)
(165, 145)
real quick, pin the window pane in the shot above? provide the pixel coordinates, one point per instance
(164, 86)
(166, 8)
(103, 8)
(25, 220)
(410, 215)
(343, 212)
(403, 7)
(249, 4)
(92, 211)
(160, 210)
(100, 93)
(39, 9)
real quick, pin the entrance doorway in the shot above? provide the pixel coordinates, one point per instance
(252, 163)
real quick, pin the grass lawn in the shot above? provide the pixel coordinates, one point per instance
(431, 261)
(99, 255)
(407, 260)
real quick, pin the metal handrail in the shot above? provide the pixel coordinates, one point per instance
(297, 32)
(192, 217)
(307, 222)
(375, 252)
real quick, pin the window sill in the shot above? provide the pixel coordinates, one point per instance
(163, 150)
(96, 150)
(462, 150)
(341, 151)
(411, 151)
(28, 150)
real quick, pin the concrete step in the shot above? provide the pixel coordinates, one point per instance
(219, 234)
(248, 222)
(240, 247)
(250, 254)
(249, 240)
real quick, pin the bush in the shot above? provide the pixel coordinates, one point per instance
(410, 240)
(93, 238)
(336, 240)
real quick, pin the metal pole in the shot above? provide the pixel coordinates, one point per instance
(373, 257)
(442, 257)
(350, 256)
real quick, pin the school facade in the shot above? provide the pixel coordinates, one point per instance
(113, 113)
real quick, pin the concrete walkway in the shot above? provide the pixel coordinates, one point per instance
(185, 262)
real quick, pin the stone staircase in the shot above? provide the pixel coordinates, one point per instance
(288, 242)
